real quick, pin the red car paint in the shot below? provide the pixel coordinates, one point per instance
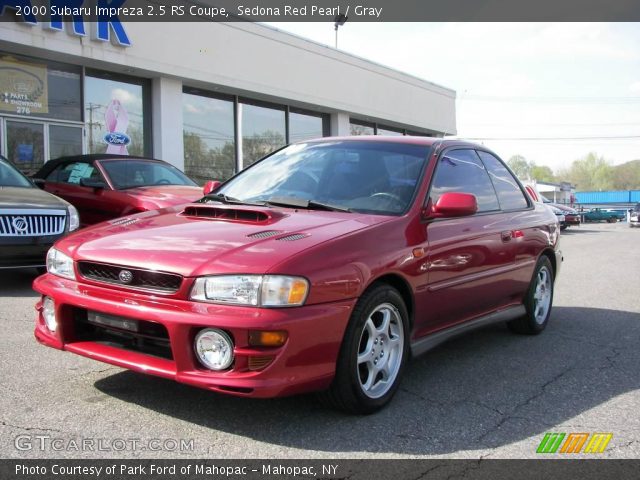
(99, 204)
(451, 271)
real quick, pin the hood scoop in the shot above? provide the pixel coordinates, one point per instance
(233, 214)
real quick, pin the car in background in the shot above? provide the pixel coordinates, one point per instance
(322, 267)
(559, 215)
(566, 216)
(103, 187)
(30, 220)
(600, 215)
(634, 216)
(571, 215)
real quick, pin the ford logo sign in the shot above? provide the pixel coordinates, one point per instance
(117, 138)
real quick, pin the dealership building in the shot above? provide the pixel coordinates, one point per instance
(210, 98)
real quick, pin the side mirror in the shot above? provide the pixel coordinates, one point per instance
(92, 183)
(210, 186)
(454, 204)
(38, 182)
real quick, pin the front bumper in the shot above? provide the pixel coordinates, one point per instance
(559, 260)
(306, 362)
(27, 252)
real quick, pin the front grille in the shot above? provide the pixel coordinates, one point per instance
(126, 333)
(136, 278)
(32, 223)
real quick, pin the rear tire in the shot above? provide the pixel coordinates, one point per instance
(538, 301)
(374, 353)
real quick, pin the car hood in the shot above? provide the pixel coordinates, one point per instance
(203, 239)
(23, 198)
(166, 195)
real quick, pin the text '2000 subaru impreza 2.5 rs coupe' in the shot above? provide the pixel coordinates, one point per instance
(322, 267)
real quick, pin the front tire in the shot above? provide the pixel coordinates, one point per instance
(538, 300)
(374, 353)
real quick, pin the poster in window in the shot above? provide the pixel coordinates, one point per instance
(23, 87)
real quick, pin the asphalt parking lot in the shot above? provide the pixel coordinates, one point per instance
(489, 394)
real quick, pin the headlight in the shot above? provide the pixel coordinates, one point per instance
(60, 264)
(74, 218)
(253, 290)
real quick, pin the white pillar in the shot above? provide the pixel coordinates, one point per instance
(340, 125)
(166, 121)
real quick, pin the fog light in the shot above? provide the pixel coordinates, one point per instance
(49, 314)
(214, 349)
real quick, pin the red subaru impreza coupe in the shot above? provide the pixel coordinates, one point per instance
(322, 267)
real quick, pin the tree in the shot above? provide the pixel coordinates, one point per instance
(627, 176)
(520, 166)
(591, 172)
(542, 173)
(259, 145)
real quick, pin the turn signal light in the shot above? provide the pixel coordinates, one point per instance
(259, 338)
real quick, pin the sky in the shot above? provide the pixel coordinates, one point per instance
(551, 92)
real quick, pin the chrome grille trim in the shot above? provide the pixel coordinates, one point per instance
(32, 222)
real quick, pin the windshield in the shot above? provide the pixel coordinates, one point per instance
(133, 173)
(369, 177)
(11, 177)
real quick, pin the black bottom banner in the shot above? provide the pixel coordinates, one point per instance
(83, 469)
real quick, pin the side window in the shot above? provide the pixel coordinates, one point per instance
(462, 171)
(509, 193)
(73, 172)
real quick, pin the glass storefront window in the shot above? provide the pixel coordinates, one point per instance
(388, 132)
(361, 128)
(64, 141)
(25, 145)
(114, 116)
(304, 127)
(263, 131)
(34, 88)
(209, 142)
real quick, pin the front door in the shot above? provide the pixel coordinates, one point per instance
(469, 257)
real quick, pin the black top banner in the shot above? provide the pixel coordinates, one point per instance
(33, 11)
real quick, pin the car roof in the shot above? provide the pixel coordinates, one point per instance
(404, 139)
(49, 166)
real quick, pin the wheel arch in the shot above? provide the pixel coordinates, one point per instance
(551, 255)
(402, 286)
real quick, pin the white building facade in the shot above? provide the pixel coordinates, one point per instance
(210, 98)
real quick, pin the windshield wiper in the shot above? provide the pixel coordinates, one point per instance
(226, 199)
(307, 204)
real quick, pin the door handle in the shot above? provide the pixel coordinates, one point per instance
(506, 236)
